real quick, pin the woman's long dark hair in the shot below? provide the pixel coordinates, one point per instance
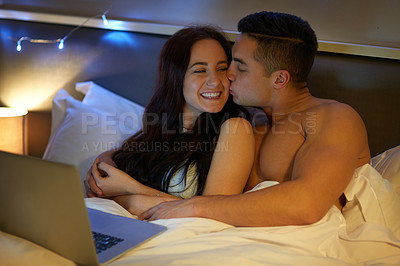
(160, 149)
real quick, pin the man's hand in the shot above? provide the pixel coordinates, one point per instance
(136, 204)
(167, 210)
(176, 209)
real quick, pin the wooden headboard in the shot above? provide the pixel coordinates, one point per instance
(126, 63)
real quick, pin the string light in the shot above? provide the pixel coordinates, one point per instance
(60, 41)
(19, 47)
(61, 45)
(105, 21)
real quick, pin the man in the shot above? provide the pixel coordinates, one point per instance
(311, 147)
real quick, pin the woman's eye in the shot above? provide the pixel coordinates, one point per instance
(200, 71)
(223, 69)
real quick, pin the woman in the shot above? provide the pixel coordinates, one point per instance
(193, 141)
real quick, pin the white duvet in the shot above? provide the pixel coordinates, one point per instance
(367, 233)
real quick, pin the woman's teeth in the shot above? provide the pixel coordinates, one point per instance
(211, 95)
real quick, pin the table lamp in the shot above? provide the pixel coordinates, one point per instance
(13, 130)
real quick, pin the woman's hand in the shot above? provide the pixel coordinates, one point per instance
(92, 190)
(111, 181)
(104, 180)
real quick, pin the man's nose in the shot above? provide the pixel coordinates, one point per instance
(230, 74)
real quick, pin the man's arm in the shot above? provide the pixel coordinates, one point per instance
(322, 169)
(136, 204)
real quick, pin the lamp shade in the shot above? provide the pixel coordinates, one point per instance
(13, 130)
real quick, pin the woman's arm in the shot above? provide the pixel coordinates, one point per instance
(228, 174)
(92, 190)
(128, 192)
(115, 182)
(118, 183)
(232, 160)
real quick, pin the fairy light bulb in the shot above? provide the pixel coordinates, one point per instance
(61, 45)
(105, 21)
(19, 47)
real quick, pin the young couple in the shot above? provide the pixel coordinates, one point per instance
(312, 163)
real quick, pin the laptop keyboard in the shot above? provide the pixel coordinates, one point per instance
(104, 242)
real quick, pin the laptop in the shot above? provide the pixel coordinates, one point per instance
(42, 201)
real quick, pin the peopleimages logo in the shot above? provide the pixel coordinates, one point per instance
(109, 131)
(100, 146)
(129, 123)
(125, 123)
(178, 146)
(110, 123)
(292, 124)
(157, 146)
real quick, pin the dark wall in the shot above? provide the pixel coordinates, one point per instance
(369, 85)
(126, 63)
(368, 22)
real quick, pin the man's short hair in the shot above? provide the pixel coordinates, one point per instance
(285, 42)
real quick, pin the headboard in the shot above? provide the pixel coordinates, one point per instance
(370, 85)
(126, 63)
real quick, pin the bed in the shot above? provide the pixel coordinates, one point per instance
(366, 233)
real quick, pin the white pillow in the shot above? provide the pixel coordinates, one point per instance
(83, 130)
(372, 203)
(388, 165)
(107, 101)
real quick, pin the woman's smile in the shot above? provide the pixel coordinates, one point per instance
(211, 95)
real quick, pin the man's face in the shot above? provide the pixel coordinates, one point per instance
(249, 84)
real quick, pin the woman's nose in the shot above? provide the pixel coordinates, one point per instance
(213, 80)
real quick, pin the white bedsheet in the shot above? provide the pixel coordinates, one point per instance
(336, 239)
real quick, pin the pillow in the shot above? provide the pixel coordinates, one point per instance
(83, 130)
(107, 101)
(372, 203)
(388, 165)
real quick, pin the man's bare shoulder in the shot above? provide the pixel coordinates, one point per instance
(326, 108)
(323, 104)
(337, 121)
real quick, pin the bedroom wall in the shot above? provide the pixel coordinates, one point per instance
(120, 61)
(124, 62)
(357, 21)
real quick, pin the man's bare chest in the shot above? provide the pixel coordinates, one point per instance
(277, 153)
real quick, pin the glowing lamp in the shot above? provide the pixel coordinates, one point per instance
(13, 130)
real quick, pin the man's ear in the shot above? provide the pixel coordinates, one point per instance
(280, 78)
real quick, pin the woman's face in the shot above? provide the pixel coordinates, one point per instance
(205, 85)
